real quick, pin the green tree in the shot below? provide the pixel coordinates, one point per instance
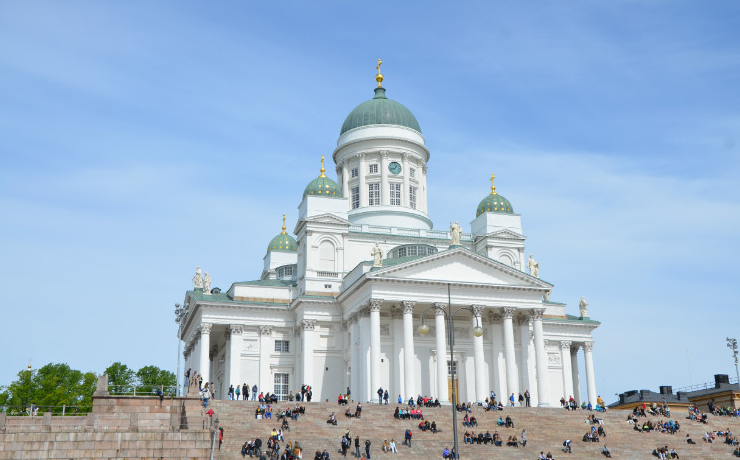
(120, 374)
(151, 377)
(51, 385)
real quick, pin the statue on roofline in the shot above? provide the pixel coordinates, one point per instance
(582, 305)
(198, 279)
(534, 267)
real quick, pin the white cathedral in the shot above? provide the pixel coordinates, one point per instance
(341, 305)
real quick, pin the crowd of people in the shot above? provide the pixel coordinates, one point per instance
(413, 411)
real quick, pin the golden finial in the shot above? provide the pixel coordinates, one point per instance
(283, 232)
(322, 167)
(493, 187)
(379, 77)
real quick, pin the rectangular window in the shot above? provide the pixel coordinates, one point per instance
(395, 194)
(373, 194)
(412, 197)
(355, 197)
(451, 365)
(412, 172)
(374, 169)
(282, 346)
(354, 172)
(281, 387)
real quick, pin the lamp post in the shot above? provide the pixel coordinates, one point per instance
(179, 314)
(732, 345)
(450, 320)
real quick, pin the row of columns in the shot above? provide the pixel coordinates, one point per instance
(198, 354)
(365, 354)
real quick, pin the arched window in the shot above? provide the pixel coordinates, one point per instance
(506, 259)
(327, 256)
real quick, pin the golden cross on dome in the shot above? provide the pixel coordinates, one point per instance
(379, 77)
(283, 232)
(493, 187)
(322, 167)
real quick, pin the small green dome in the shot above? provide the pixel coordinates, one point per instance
(283, 243)
(323, 186)
(494, 203)
(380, 111)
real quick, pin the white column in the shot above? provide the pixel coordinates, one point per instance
(205, 343)
(525, 378)
(354, 346)
(512, 385)
(576, 377)
(375, 344)
(406, 183)
(590, 378)
(364, 354)
(397, 360)
(307, 326)
(265, 351)
(567, 369)
(385, 191)
(441, 336)
(543, 394)
(534, 397)
(422, 198)
(345, 181)
(480, 364)
(409, 357)
(497, 351)
(363, 184)
(235, 352)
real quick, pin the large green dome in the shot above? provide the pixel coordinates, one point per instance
(283, 243)
(494, 203)
(380, 111)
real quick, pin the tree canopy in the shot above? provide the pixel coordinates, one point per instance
(56, 385)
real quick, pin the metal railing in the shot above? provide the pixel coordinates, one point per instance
(142, 390)
(34, 410)
(704, 386)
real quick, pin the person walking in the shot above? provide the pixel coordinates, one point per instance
(385, 397)
(523, 438)
(380, 395)
(254, 392)
(357, 446)
(407, 437)
(245, 392)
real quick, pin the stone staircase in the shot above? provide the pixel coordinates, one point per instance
(546, 430)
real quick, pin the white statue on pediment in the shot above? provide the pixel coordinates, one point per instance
(198, 279)
(534, 267)
(377, 254)
(455, 234)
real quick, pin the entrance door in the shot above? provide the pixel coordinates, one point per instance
(452, 365)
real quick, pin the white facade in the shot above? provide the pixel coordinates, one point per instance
(324, 315)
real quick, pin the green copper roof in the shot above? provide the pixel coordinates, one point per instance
(380, 111)
(283, 243)
(494, 203)
(323, 186)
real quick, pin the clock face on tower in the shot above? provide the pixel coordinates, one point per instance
(394, 167)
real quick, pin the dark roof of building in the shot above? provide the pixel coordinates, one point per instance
(646, 396)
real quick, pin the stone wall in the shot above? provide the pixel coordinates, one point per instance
(126, 427)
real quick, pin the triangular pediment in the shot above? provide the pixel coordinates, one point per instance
(507, 235)
(460, 266)
(327, 219)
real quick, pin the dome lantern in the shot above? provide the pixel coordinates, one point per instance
(322, 185)
(282, 242)
(494, 202)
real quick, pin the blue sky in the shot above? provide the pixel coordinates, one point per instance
(140, 139)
